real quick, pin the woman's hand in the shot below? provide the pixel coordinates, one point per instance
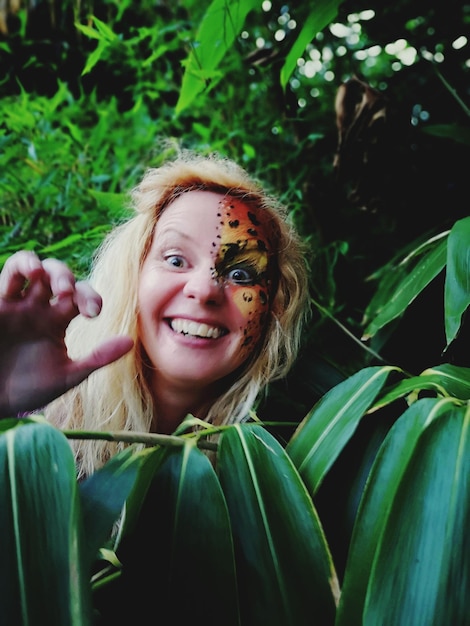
(38, 299)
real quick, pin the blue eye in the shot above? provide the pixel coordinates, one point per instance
(176, 261)
(241, 276)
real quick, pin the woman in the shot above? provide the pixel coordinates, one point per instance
(207, 282)
(208, 279)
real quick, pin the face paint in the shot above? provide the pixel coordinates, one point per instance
(243, 264)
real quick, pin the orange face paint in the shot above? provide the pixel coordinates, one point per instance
(243, 263)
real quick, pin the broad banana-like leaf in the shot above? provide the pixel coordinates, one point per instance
(178, 562)
(44, 578)
(104, 495)
(285, 572)
(457, 283)
(328, 427)
(379, 496)
(413, 283)
(445, 380)
(421, 570)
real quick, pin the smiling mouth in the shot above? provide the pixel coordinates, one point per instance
(196, 329)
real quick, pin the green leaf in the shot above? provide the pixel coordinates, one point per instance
(285, 573)
(461, 134)
(94, 57)
(457, 284)
(103, 32)
(187, 514)
(409, 288)
(221, 23)
(87, 30)
(445, 380)
(428, 530)
(321, 14)
(453, 379)
(329, 426)
(104, 494)
(43, 576)
(380, 495)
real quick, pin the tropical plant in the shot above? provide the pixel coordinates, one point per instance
(259, 528)
(68, 155)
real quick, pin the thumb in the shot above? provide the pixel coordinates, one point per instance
(106, 353)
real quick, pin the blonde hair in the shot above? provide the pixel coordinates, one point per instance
(117, 396)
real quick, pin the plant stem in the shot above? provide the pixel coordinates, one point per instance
(151, 439)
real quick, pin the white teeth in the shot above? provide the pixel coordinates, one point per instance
(195, 329)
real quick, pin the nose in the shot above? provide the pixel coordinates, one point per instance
(202, 284)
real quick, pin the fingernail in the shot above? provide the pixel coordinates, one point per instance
(92, 309)
(64, 285)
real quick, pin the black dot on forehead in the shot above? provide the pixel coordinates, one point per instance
(234, 223)
(253, 219)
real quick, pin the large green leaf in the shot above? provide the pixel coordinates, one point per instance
(421, 571)
(409, 288)
(190, 539)
(379, 496)
(328, 427)
(453, 379)
(445, 380)
(222, 22)
(104, 494)
(285, 573)
(457, 284)
(321, 14)
(43, 576)
(456, 132)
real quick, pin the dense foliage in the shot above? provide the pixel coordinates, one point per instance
(355, 114)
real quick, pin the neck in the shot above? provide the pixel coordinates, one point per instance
(174, 404)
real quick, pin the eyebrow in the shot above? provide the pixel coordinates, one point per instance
(167, 233)
(246, 246)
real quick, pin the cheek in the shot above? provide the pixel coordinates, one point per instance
(149, 300)
(143, 296)
(252, 304)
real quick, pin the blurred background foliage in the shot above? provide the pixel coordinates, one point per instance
(366, 140)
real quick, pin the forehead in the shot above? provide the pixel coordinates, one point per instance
(229, 216)
(239, 220)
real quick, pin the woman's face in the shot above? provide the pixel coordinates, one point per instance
(204, 289)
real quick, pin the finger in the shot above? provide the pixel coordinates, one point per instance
(83, 299)
(106, 353)
(64, 285)
(87, 300)
(61, 278)
(21, 267)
